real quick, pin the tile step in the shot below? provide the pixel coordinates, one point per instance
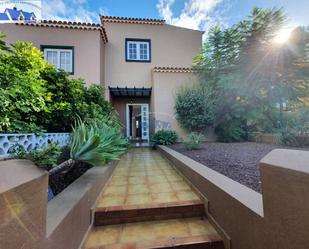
(149, 212)
(189, 233)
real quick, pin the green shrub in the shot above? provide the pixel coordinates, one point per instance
(295, 129)
(231, 131)
(23, 91)
(295, 139)
(3, 46)
(67, 96)
(193, 140)
(46, 158)
(18, 152)
(164, 137)
(194, 107)
(37, 97)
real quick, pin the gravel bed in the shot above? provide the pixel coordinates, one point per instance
(238, 161)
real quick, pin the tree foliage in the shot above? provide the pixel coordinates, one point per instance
(3, 46)
(194, 107)
(37, 97)
(22, 88)
(251, 75)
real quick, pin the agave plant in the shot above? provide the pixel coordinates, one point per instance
(95, 143)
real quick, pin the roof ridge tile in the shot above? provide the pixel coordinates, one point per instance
(134, 20)
(159, 69)
(69, 25)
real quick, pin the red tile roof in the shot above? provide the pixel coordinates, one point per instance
(173, 70)
(68, 25)
(131, 20)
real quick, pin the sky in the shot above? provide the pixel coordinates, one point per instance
(194, 14)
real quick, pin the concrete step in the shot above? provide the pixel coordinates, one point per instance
(185, 233)
(149, 212)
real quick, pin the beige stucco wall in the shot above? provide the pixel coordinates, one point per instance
(170, 47)
(69, 214)
(23, 203)
(28, 221)
(88, 49)
(165, 86)
(276, 219)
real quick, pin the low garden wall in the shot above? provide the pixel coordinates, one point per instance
(277, 219)
(29, 141)
(267, 138)
(27, 220)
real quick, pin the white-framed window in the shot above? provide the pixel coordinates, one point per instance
(138, 50)
(61, 58)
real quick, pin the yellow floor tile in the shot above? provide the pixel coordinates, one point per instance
(115, 190)
(138, 189)
(171, 228)
(157, 179)
(187, 196)
(199, 227)
(180, 186)
(173, 177)
(138, 199)
(111, 201)
(164, 197)
(160, 187)
(119, 178)
(137, 180)
(138, 173)
(118, 183)
(118, 235)
(139, 176)
(137, 232)
(104, 235)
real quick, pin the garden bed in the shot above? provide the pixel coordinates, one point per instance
(60, 180)
(238, 161)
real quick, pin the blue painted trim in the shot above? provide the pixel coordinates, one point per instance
(42, 47)
(137, 40)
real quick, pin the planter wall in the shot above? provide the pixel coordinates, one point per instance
(69, 214)
(23, 205)
(30, 141)
(277, 219)
(28, 221)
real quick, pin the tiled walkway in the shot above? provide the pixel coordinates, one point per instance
(148, 204)
(144, 177)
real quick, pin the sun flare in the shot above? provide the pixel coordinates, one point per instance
(282, 36)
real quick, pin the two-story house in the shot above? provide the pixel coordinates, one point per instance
(140, 62)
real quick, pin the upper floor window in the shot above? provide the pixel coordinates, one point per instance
(60, 57)
(138, 50)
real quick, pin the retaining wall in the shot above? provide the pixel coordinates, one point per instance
(276, 219)
(27, 220)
